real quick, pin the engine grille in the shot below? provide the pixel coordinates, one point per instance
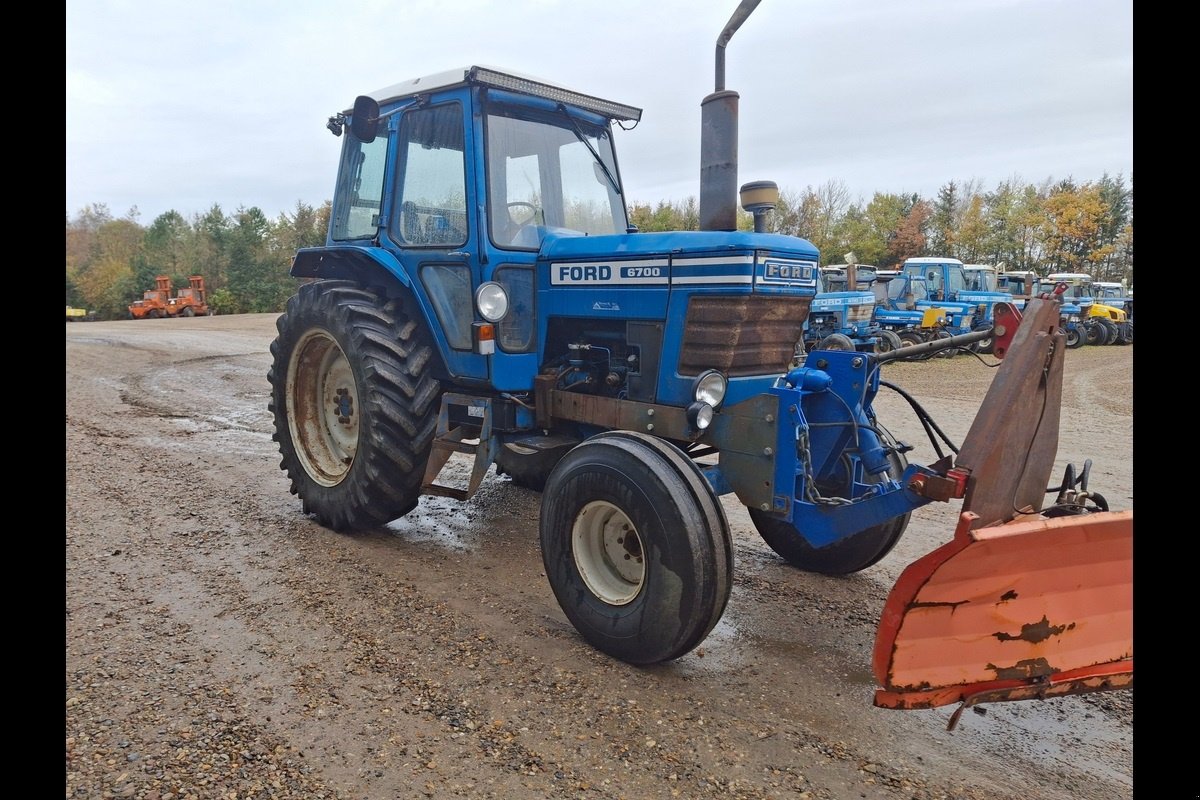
(745, 334)
(860, 313)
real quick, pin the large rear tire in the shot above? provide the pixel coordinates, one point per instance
(354, 402)
(636, 547)
(852, 554)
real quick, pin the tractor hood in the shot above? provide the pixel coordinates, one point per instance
(674, 244)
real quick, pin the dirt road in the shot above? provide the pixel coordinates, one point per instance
(221, 645)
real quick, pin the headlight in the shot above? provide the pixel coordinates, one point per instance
(700, 415)
(710, 388)
(492, 301)
(1072, 318)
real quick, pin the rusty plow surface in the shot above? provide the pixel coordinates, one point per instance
(1033, 608)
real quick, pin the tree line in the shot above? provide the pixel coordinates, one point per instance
(244, 257)
(1057, 226)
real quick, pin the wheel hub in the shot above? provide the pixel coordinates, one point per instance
(322, 405)
(608, 553)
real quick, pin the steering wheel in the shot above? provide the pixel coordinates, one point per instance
(533, 212)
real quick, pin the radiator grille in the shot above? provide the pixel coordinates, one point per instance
(745, 334)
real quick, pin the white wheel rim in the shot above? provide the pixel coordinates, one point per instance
(608, 553)
(323, 409)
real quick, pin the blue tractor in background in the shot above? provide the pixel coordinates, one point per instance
(904, 307)
(948, 281)
(843, 318)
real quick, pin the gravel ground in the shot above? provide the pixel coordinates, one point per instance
(219, 644)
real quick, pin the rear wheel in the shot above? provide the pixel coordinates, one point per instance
(636, 547)
(852, 554)
(354, 403)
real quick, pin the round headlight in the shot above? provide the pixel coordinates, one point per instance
(700, 415)
(710, 388)
(492, 301)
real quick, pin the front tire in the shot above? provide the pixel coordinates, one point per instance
(1074, 338)
(354, 402)
(636, 547)
(886, 341)
(852, 554)
(984, 346)
(529, 470)
(1094, 333)
(836, 341)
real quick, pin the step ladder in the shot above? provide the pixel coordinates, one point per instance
(468, 431)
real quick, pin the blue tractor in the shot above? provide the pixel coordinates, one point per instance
(948, 281)
(904, 307)
(482, 292)
(841, 318)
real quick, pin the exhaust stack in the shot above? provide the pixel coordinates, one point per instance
(718, 139)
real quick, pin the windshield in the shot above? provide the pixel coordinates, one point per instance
(915, 286)
(981, 280)
(542, 175)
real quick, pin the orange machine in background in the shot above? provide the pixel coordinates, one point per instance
(154, 301)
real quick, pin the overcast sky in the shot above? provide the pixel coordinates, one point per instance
(180, 105)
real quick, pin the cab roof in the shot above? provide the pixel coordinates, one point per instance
(504, 79)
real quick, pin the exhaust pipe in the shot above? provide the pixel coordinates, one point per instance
(718, 139)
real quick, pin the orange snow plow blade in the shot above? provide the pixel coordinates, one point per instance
(1021, 604)
(1017, 611)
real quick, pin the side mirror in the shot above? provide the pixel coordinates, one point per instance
(364, 122)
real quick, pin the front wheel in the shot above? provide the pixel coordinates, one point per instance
(836, 341)
(851, 554)
(1110, 331)
(636, 547)
(354, 402)
(188, 311)
(1074, 337)
(984, 346)
(886, 341)
(1093, 333)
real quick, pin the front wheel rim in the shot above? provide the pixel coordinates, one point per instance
(608, 553)
(323, 408)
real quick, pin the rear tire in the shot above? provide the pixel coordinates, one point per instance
(852, 554)
(354, 402)
(636, 547)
